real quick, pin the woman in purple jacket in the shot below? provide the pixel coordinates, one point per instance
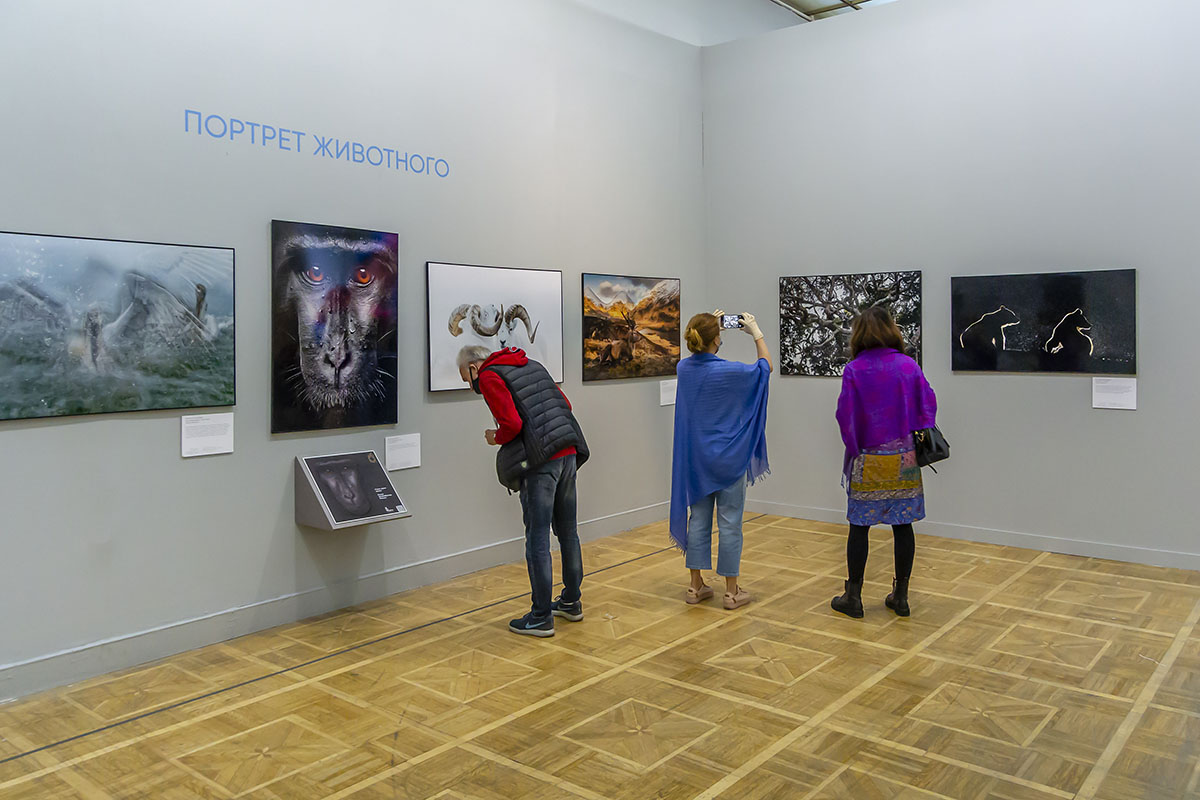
(885, 397)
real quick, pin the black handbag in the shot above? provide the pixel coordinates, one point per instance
(930, 446)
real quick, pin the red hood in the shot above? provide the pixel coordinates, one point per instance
(508, 357)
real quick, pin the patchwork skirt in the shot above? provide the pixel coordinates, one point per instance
(885, 486)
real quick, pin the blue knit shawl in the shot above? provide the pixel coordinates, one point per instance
(720, 431)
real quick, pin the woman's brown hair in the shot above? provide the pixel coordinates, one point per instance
(874, 327)
(702, 329)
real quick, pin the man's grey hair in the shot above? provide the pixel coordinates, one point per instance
(472, 354)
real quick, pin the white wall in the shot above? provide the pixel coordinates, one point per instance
(574, 142)
(960, 138)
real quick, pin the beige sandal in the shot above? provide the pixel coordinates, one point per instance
(696, 595)
(738, 599)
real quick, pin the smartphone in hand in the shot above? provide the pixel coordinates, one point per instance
(731, 321)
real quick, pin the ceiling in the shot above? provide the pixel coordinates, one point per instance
(708, 22)
(821, 9)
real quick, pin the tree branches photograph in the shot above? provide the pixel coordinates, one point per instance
(816, 311)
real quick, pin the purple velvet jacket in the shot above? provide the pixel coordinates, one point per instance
(884, 397)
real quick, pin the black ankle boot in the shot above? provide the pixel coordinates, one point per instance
(850, 603)
(898, 600)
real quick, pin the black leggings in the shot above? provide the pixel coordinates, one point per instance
(859, 544)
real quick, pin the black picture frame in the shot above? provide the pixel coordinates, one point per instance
(1076, 322)
(289, 412)
(816, 312)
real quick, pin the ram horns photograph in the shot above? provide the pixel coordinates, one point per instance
(630, 327)
(93, 326)
(816, 312)
(473, 306)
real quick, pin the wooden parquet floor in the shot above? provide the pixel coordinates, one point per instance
(1021, 675)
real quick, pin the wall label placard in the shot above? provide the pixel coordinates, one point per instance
(206, 434)
(666, 391)
(403, 452)
(292, 140)
(1120, 393)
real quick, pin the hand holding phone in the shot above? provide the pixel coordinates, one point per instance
(731, 321)
(750, 325)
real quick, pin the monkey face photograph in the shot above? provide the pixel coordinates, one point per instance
(1045, 322)
(630, 326)
(492, 307)
(91, 326)
(333, 327)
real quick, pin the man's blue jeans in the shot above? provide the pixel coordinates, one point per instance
(729, 502)
(548, 498)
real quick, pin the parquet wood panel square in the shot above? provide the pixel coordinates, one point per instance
(1076, 652)
(462, 775)
(331, 775)
(139, 691)
(976, 718)
(261, 755)
(843, 664)
(43, 719)
(1161, 760)
(640, 734)
(773, 661)
(828, 764)
(1020, 676)
(469, 675)
(338, 631)
(1181, 686)
(1100, 598)
(543, 739)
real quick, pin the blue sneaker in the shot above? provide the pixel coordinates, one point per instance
(530, 625)
(571, 611)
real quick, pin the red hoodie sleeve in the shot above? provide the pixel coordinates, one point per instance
(500, 401)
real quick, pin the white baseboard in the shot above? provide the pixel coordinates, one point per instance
(1032, 541)
(22, 678)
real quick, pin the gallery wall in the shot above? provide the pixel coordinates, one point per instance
(573, 143)
(960, 137)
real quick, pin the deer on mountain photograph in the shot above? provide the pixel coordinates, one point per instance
(630, 327)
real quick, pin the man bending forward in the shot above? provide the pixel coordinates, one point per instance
(541, 446)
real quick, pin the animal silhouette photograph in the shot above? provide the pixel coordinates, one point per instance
(493, 307)
(333, 333)
(816, 312)
(92, 326)
(1047, 322)
(630, 326)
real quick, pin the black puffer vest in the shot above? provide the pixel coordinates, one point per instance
(547, 424)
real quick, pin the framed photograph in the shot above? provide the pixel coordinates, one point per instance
(1046, 322)
(333, 327)
(491, 308)
(816, 311)
(630, 326)
(91, 326)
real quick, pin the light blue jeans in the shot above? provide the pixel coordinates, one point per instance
(729, 502)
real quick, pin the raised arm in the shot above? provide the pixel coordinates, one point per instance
(750, 326)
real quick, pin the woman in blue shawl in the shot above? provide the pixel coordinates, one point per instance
(720, 444)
